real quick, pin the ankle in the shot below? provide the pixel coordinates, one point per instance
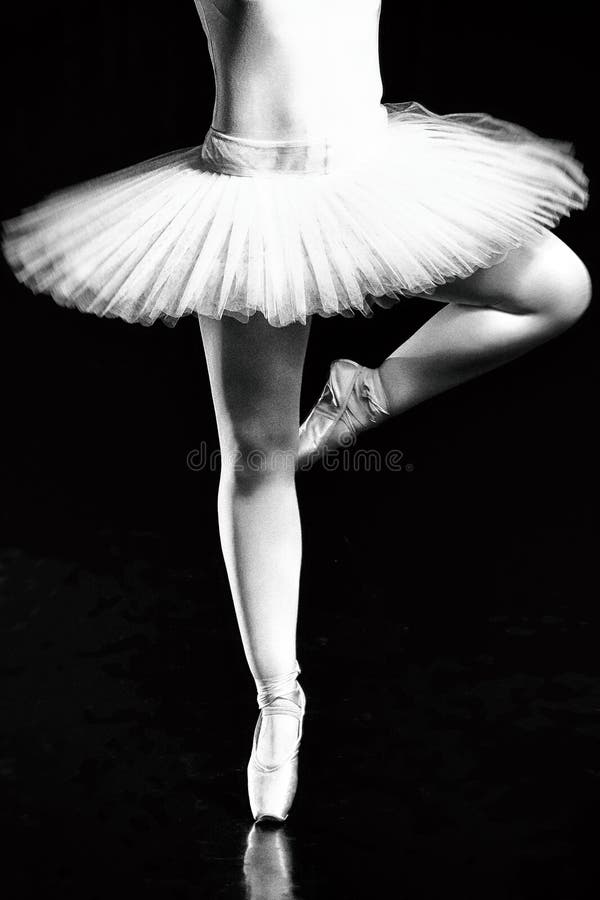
(295, 696)
(369, 404)
(278, 686)
(388, 386)
(379, 392)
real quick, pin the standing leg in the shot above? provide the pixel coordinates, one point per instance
(255, 372)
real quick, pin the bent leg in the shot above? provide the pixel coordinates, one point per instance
(492, 317)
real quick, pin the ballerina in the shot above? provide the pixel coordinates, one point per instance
(309, 196)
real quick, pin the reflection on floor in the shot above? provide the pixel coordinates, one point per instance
(268, 873)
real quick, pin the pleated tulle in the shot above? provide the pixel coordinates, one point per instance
(438, 198)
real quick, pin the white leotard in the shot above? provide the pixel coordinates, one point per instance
(287, 69)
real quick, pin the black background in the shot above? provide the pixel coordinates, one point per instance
(448, 629)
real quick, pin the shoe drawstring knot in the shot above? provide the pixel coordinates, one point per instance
(376, 410)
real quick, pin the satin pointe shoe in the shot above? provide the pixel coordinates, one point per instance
(272, 788)
(352, 400)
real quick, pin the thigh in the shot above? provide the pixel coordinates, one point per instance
(516, 283)
(255, 372)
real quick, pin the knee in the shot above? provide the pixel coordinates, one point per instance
(569, 289)
(557, 285)
(258, 452)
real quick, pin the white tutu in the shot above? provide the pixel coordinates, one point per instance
(317, 228)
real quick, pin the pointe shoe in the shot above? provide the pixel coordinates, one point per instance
(272, 788)
(351, 401)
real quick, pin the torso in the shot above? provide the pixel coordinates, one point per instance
(287, 69)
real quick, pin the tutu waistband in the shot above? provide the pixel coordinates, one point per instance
(337, 151)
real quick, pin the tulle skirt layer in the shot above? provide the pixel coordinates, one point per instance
(289, 230)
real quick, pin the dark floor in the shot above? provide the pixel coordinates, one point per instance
(448, 636)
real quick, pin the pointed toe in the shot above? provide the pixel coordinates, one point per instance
(272, 788)
(271, 793)
(320, 430)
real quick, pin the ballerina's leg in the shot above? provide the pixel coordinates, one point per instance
(492, 317)
(255, 372)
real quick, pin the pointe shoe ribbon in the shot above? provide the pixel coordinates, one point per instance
(272, 788)
(351, 401)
